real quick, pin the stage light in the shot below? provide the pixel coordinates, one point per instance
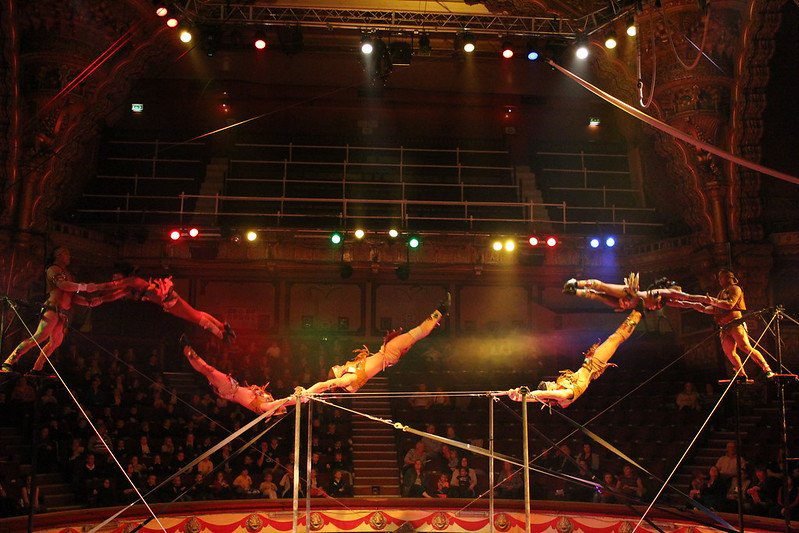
(551, 241)
(336, 237)
(611, 42)
(393, 233)
(172, 22)
(496, 246)
(533, 241)
(137, 108)
(360, 234)
(468, 43)
(174, 235)
(594, 243)
(252, 236)
(610, 242)
(367, 45)
(260, 41)
(160, 9)
(632, 31)
(507, 50)
(594, 121)
(510, 245)
(532, 55)
(581, 52)
(193, 232)
(185, 36)
(414, 242)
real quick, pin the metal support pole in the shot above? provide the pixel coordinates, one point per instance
(738, 457)
(34, 456)
(783, 418)
(308, 464)
(526, 456)
(491, 463)
(296, 494)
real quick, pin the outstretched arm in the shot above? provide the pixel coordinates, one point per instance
(696, 306)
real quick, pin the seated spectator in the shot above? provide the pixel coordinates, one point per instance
(143, 448)
(243, 482)
(630, 483)
(728, 463)
(157, 467)
(431, 446)
(761, 495)
(442, 488)
(441, 401)
(713, 489)
(462, 483)
(447, 459)
(220, 488)
(788, 506)
(509, 482)
(316, 490)
(105, 494)
(413, 481)
(268, 488)
(688, 399)
(583, 493)
(200, 489)
(610, 490)
(338, 487)
(176, 492)
(167, 447)
(205, 466)
(422, 401)
(695, 487)
(417, 453)
(26, 497)
(731, 500)
(286, 485)
(591, 459)
(451, 434)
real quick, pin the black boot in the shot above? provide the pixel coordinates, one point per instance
(183, 340)
(229, 335)
(570, 287)
(444, 305)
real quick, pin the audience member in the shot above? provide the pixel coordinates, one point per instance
(728, 463)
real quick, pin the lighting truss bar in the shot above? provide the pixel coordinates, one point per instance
(218, 11)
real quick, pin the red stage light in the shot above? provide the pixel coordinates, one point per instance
(193, 232)
(551, 241)
(161, 11)
(533, 241)
(260, 44)
(174, 235)
(172, 22)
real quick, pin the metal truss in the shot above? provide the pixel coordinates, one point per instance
(218, 11)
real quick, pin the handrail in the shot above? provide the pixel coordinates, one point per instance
(376, 148)
(378, 183)
(357, 164)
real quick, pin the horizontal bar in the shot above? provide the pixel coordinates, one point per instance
(587, 171)
(357, 164)
(158, 142)
(377, 148)
(153, 160)
(580, 154)
(381, 183)
(143, 178)
(590, 189)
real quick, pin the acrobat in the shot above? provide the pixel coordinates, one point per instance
(626, 296)
(161, 292)
(726, 310)
(350, 376)
(63, 291)
(569, 386)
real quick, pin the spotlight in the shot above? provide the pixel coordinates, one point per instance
(594, 121)
(185, 36)
(510, 245)
(260, 41)
(532, 55)
(632, 31)
(551, 241)
(172, 22)
(252, 236)
(367, 45)
(160, 9)
(581, 52)
(359, 234)
(193, 232)
(393, 233)
(424, 45)
(610, 42)
(610, 242)
(414, 242)
(174, 234)
(507, 50)
(336, 238)
(496, 246)
(468, 43)
(533, 241)
(594, 243)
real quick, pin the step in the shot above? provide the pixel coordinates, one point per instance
(55, 488)
(387, 470)
(378, 456)
(58, 500)
(382, 439)
(49, 478)
(368, 431)
(370, 445)
(385, 491)
(378, 480)
(373, 463)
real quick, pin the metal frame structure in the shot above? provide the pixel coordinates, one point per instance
(548, 25)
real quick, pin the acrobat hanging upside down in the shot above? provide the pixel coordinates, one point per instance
(571, 385)
(350, 376)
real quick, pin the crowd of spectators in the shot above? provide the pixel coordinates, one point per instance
(153, 431)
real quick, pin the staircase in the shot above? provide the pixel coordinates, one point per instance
(374, 451)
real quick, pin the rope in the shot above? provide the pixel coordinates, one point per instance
(674, 132)
(695, 62)
(85, 415)
(701, 428)
(654, 74)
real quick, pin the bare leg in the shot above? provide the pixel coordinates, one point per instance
(183, 310)
(728, 346)
(45, 328)
(56, 338)
(606, 350)
(617, 291)
(591, 294)
(741, 338)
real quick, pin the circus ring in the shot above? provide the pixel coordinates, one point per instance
(379, 514)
